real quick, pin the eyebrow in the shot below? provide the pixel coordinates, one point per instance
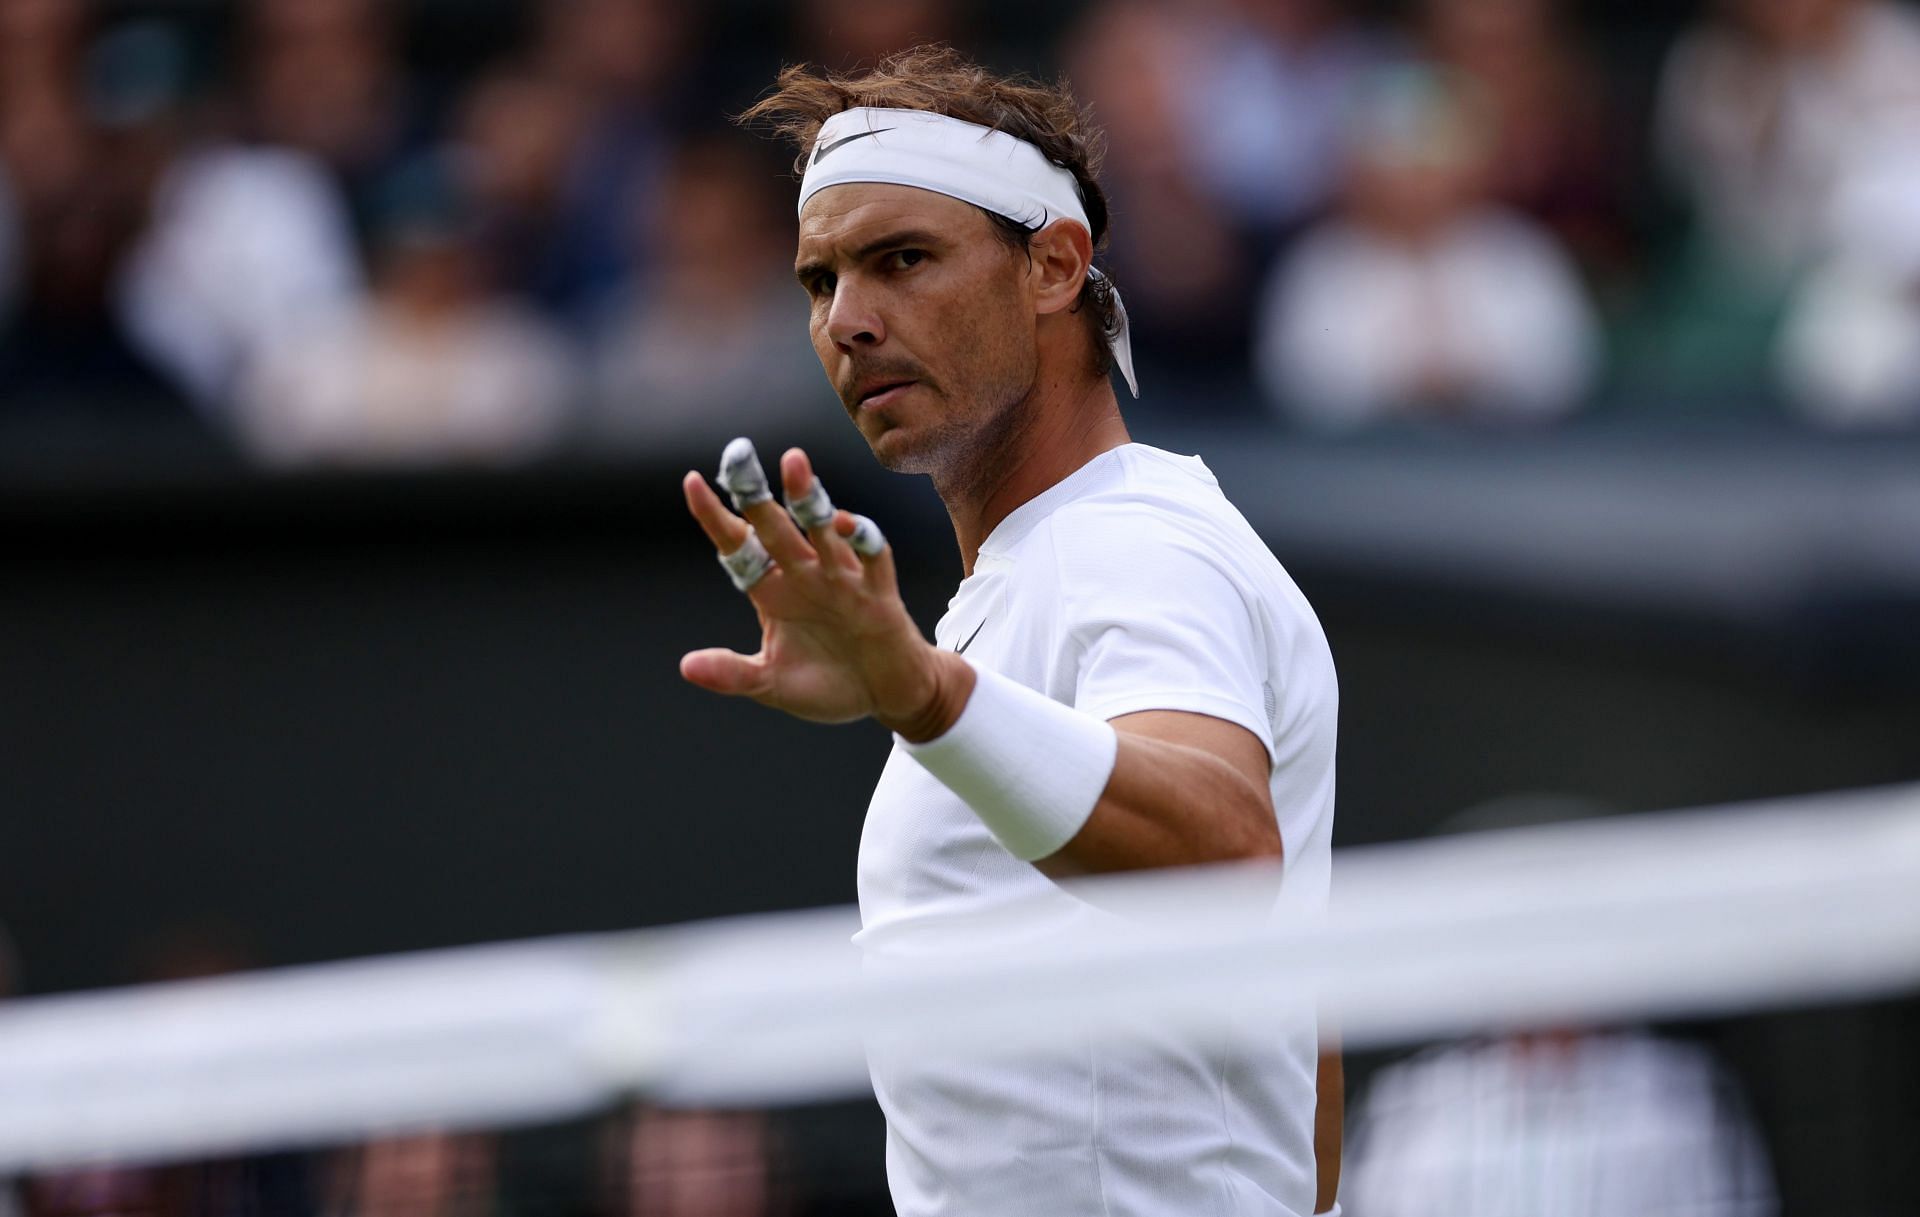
(891, 241)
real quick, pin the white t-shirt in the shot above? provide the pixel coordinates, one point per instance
(1131, 585)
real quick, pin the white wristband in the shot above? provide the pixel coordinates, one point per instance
(1031, 768)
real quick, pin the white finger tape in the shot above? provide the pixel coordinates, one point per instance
(748, 564)
(741, 475)
(867, 540)
(812, 509)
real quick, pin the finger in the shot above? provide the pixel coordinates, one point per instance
(747, 565)
(742, 556)
(807, 499)
(719, 670)
(722, 527)
(741, 475)
(877, 572)
(744, 479)
(862, 535)
(812, 509)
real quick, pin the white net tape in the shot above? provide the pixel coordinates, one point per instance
(1648, 916)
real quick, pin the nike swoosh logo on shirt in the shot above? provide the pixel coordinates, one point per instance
(821, 153)
(962, 648)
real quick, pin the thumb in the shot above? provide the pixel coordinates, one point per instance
(719, 670)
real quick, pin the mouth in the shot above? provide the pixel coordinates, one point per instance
(882, 392)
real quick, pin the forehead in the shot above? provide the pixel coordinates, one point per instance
(848, 215)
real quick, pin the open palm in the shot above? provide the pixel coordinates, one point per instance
(836, 641)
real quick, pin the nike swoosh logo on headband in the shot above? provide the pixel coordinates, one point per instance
(820, 153)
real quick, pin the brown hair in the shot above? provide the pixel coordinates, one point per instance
(939, 79)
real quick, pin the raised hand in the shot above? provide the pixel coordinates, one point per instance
(836, 641)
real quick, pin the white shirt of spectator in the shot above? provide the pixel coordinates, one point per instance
(1353, 322)
(1761, 139)
(1849, 345)
(1132, 585)
(364, 387)
(1615, 1123)
(248, 246)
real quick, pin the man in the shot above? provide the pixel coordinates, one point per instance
(1125, 679)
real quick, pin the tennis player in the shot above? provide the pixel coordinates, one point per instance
(1126, 677)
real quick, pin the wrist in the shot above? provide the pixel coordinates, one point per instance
(1030, 767)
(950, 680)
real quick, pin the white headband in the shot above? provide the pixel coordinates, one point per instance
(990, 169)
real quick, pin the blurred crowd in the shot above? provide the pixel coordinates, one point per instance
(299, 225)
(635, 1161)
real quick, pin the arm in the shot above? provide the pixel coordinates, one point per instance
(837, 644)
(1329, 1116)
(1186, 789)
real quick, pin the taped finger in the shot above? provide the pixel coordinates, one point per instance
(813, 509)
(742, 476)
(749, 564)
(867, 540)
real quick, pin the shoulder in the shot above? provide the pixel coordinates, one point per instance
(1160, 528)
(1152, 499)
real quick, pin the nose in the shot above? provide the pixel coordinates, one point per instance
(852, 320)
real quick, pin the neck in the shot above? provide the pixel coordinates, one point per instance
(1063, 423)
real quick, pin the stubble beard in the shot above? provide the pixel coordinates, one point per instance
(966, 456)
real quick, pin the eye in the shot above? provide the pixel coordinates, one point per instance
(820, 285)
(905, 259)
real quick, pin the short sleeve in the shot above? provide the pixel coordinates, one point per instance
(1157, 622)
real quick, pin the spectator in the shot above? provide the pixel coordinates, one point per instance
(852, 35)
(437, 366)
(694, 1164)
(1766, 109)
(1556, 153)
(1769, 105)
(626, 60)
(1559, 1122)
(246, 246)
(194, 255)
(1422, 299)
(714, 342)
(323, 77)
(1262, 99)
(518, 134)
(1554, 1120)
(1178, 259)
(40, 48)
(1850, 350)
(433, 1174)
(75, 205)
(41, 42)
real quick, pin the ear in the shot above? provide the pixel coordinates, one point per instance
(1062, 256)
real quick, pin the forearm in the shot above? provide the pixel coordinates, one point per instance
(1174, 789)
